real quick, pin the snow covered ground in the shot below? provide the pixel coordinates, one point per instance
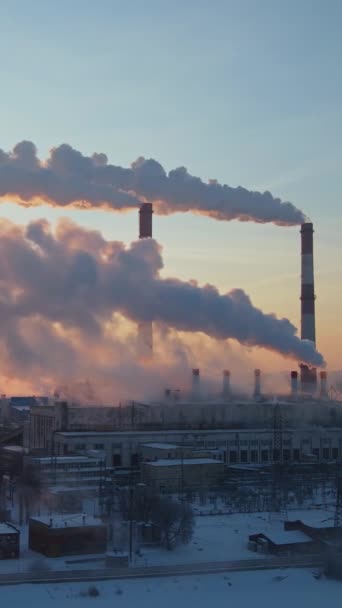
(216, 538)
(282, 588)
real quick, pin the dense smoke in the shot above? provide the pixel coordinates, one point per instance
(63, 288)
(67, 177)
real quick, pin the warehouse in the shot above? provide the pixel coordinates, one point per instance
(67, 535)
(173, 475)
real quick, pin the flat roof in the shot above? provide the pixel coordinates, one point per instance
(171, 462)
(287, 537)
(192, 431)
(66, 459)
(74, 520)
(14, 448)
(161, 446)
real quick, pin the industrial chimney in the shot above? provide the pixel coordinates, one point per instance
(145, 328)
(308, 330)
(323, 393)
(145, 221)
(294, 383)
(257, 384)
(226, 384)
(195, 383)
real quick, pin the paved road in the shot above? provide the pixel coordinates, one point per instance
(62, 576)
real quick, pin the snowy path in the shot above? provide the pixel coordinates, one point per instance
(162, 571)
(281, 588)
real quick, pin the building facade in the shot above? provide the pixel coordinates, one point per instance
(243, 446)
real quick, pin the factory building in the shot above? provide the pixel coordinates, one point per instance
(171, 475)
(74, 472)
(238, 446)
(45, 420)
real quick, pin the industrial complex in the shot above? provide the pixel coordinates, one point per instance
(183, 444)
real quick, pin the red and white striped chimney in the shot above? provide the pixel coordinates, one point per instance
(145, 329)
(308, 327)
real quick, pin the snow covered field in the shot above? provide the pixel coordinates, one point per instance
(216, 538)
(281, 588)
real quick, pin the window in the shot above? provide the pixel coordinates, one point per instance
(264, 455)
(98, 446)
(296, 455)
(232, 456)
(286, 454)
(335, 453)
(326, 453)
(80, 446)
(276, 455)
(254, 456)
(243, 456)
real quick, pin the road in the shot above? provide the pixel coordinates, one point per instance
(66, 576)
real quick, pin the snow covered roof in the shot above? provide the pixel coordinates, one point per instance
(161, 446)
(287, 537)
(14, 448)
(171, 462)
(7, 529)
(61, 459)
(68, 521)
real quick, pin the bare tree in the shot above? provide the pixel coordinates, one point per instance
(174, 519)
(176, 522)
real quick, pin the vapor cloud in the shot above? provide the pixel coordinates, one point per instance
(67, 177)
(74, 281)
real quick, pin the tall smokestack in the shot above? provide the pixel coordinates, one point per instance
(195, 383)
(323, 393)
(294, 383)
(257, 384)
(145, 329)
(145, 221)
(226, 384)
(308, 328)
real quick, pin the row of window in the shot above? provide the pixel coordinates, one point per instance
(325, 453)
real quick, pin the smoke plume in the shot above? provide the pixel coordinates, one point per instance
(67, 177)
(64, 287)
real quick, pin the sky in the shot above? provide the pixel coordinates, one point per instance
(245, 91)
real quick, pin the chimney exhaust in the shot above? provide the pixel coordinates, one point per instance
(257, 384)
(308, 374)
(195, 383)
(226, 384)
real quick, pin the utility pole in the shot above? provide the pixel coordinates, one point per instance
(131, 496)
(278, 502)
(338, 504)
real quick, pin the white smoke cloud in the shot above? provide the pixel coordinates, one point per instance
(72, 280)
(67, 177)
